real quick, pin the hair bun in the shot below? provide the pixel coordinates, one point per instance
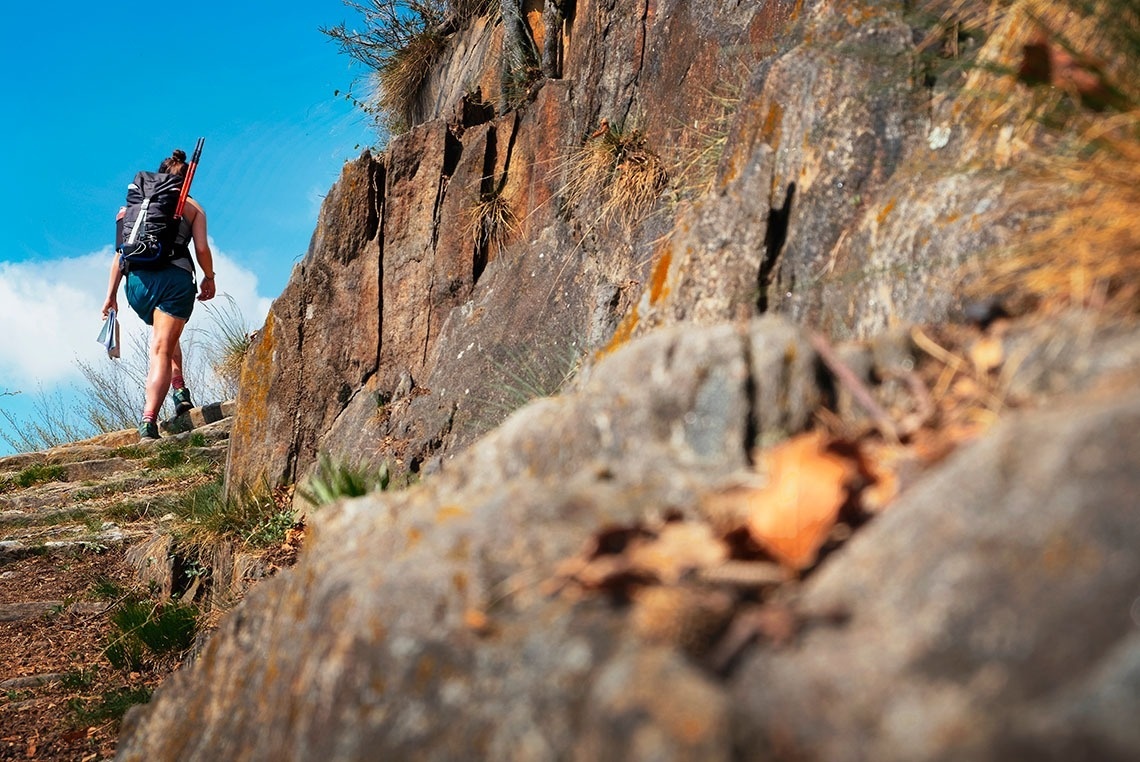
(179, 155)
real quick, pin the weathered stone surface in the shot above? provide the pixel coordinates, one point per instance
(112, 439)
(447, 305)
(76, 453)
(20, 461)
(13, 612)
(992, 611)
(950, 634)
(303, 368)
(97, 469)
(413, 626)
(395, 576)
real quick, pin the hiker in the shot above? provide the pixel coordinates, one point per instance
(164, 299)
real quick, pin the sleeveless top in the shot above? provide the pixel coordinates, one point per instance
(182, 246)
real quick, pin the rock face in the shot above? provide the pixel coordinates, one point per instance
(803, 123)
(814, 186)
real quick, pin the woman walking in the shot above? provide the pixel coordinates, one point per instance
(164, 298)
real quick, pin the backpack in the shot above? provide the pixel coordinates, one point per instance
(149, 229)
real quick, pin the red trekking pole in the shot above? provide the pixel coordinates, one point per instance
(189, 178)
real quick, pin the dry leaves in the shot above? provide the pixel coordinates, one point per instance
(791, 514)
(712, 585)
(619, 558)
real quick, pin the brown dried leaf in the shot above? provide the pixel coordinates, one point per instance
(791, 515)
(679, 547)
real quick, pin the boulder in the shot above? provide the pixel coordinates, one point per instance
(992, 613)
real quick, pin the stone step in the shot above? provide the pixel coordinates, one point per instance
(215, 455)
(14, 612)
(14, 550)
(69, 489)
(203, 419)
(17, 519)
(198, 417)
(28, 681)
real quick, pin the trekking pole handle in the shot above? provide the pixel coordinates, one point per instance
(189, 178)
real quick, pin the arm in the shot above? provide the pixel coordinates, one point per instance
(197, 215)
(112, 302)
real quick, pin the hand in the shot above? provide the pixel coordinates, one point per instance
(206, 290)
(112, 303)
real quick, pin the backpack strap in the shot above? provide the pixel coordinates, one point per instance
(139, 220)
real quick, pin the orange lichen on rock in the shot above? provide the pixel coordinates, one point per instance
(886, 210)
(657, 281)
(623, 333)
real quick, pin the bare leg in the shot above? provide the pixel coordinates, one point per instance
(163, 345)
(176, 360)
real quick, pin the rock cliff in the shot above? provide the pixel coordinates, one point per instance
(712, 227)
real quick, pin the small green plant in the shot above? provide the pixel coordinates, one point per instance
(252, 516)
(80, 679)
(333, 480)
(130, 452)
(170, 453)
(37, 473)
(271, 532)
(144, 629)
(107, 589)
(526, 375)
(109, 707)
(128, 510)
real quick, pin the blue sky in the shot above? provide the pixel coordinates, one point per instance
(93, 92)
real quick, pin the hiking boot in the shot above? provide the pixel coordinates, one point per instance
(182, 401)
(148, 430)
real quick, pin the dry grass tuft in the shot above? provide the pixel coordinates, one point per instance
(1046, 64)
(618, 167)
(402, 77)
(491, 221)
(696, 168)
(1087, 252)
(1056, 90)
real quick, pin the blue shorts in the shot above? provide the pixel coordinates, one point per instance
(170, 289)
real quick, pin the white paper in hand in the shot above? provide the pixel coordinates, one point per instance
(109, 336)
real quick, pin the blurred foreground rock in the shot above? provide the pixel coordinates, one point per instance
(990, 611)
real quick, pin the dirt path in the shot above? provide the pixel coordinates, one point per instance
(92, 534)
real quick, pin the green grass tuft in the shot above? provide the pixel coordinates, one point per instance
(37, 473)
(335, 480)
(109, 707)
(146, 630)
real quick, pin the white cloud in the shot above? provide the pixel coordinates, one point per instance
(50, 314)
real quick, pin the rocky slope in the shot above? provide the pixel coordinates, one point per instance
(796, 498)
(83, 527)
